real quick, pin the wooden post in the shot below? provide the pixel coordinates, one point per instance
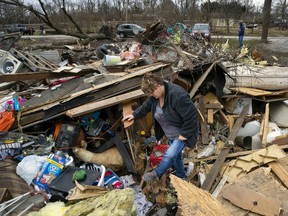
(265, 126)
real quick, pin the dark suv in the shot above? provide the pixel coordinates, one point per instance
(129, 30)
(201, 30)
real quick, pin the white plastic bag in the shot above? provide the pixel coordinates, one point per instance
(29, 167)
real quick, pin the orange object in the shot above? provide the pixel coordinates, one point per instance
(6, 120)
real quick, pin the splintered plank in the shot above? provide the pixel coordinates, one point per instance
(252, 201)
(201, 80)
(211, 176)
(280, 171)
(251, 91)
(195, 201)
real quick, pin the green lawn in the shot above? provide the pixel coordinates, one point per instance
(273, 32)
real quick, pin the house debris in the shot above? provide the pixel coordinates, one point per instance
(62, 108)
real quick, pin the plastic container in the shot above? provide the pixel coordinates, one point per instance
(110, 60)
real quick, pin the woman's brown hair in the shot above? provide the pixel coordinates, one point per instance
(150, 82)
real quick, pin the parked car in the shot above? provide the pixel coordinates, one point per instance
(19, 28)
(201, 30)
(251, 26)
(129, 30)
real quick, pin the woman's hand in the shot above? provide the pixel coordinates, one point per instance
(181, 138)
(128, 118)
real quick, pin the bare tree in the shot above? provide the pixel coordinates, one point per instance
(44, 14)
(184, 6)
(281, 8)
(266, 20)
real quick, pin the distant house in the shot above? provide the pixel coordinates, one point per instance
(222, 22)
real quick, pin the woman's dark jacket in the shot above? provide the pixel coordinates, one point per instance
(178, 109)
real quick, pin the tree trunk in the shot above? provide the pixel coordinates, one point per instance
(266, 20)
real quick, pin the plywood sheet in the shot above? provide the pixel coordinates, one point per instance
(252, 201)
(195, 201)
(262, 181)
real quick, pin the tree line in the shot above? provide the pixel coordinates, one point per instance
(81, 17)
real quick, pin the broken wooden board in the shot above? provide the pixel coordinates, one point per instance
(242, 165)
(281, 140)
(195, 201)
(262, 181)
(251, 200)
(211, 176)
(94, 106)
(280, 171)
(201, 80)
(251, 91)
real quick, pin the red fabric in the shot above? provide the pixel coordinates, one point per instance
(6, 120)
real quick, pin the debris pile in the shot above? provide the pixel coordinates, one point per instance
(61, 114)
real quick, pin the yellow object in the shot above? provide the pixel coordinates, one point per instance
(142, 133)
(225, 46)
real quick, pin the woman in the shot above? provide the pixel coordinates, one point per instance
(174, 115)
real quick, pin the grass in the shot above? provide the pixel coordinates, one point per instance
(273, 32)
(233, 42)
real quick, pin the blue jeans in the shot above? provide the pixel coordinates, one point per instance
(172, 156)
(240, 39)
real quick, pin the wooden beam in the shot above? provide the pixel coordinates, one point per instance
(201, 80)
(266, 126)
(92, 107)
(211, 176)
(127, 110)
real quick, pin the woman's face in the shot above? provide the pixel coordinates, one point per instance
(158, 92)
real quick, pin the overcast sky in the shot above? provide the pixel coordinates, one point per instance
(258, 2)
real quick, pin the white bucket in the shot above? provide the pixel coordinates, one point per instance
(110, 60)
